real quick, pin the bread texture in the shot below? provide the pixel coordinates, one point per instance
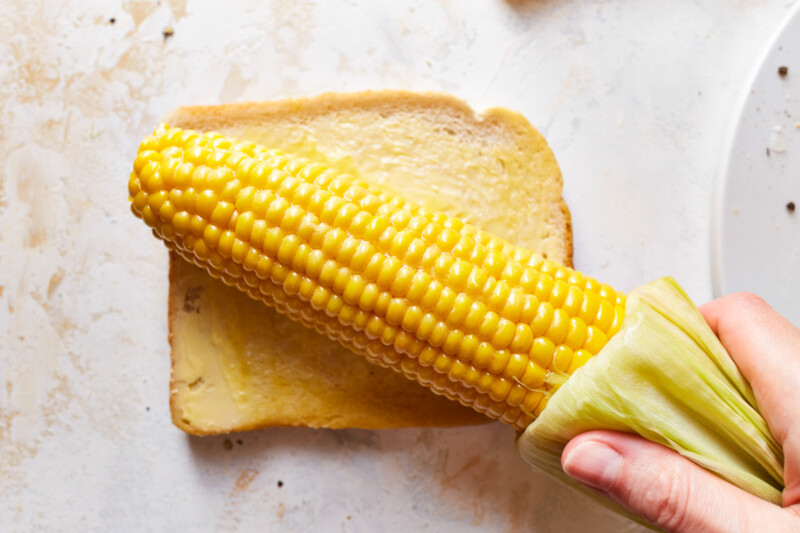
(239, 365)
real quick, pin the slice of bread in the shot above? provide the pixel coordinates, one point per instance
(238, 365)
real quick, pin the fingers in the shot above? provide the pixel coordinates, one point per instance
(766, 348)
(666, 489)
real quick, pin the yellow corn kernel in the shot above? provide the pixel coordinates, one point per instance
(572, 303)
(579, 358)
(528, 280)
(534, 376)
(503, 333)
(222, 213)
(428, 355)
(499, 389)
(244, 225)
(446, 302)
(211, 235)
(558, 326)
(439, 334)
(485, 382)
(156, 200)
(483, 355)
(513, 306)
(576, 333)
(471, 379)
(523, 339)
(559, 293)
(395, 312)
(447, 239)
(618, 314)
(529, 309)
(605, 316)
(458, 275)
(180, 223)
(402, 240)
(368, 297)
(477, 280)
(443, 363)
(513, 272)
(353, 289)
(458, 371)
(346, 251)
(414, 252)
(468, 348)
(431, 296)
(516, 395)
(515, 366)
(543, 351)
(589, 307)
(388, 272)
(236, 250)
(542, 405)
(495, 263)
(429, 258)
(595, 339)
(459, 311)
(562, 357)
(453, 342)
(387, 238)
(543, 319)
(543, 288)
(402, 281)
(499, 362)
(499, 296)
(489, 325)
(475, 316)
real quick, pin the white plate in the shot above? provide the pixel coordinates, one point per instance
(755, 238)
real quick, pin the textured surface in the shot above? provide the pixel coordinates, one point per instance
(634, 98)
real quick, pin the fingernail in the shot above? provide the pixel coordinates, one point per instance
(594, 464)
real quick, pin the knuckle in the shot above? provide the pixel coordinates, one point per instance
(744, 310)
(749, 299)
(665, 501)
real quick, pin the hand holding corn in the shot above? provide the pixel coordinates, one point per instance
(467, 314)
(672, 492)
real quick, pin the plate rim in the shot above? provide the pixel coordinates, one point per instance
(727, 152)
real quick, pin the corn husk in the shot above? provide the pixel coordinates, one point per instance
(664, 376)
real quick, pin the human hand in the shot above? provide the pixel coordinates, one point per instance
(675, 494)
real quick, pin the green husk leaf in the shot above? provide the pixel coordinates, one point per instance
(664, 376)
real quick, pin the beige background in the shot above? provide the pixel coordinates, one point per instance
(635, 98)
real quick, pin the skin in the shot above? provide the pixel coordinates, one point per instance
(673, 493)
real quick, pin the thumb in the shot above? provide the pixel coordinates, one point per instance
(663, 487)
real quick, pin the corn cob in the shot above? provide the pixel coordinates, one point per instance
(467, 314)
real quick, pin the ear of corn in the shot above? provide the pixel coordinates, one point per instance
(471, 316)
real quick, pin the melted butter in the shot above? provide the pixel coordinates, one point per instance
(239, 364)
(482, 178)
(213, 380)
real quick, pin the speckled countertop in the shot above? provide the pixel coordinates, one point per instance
(635, 98)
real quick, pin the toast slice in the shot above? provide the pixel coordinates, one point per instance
(238, 365)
